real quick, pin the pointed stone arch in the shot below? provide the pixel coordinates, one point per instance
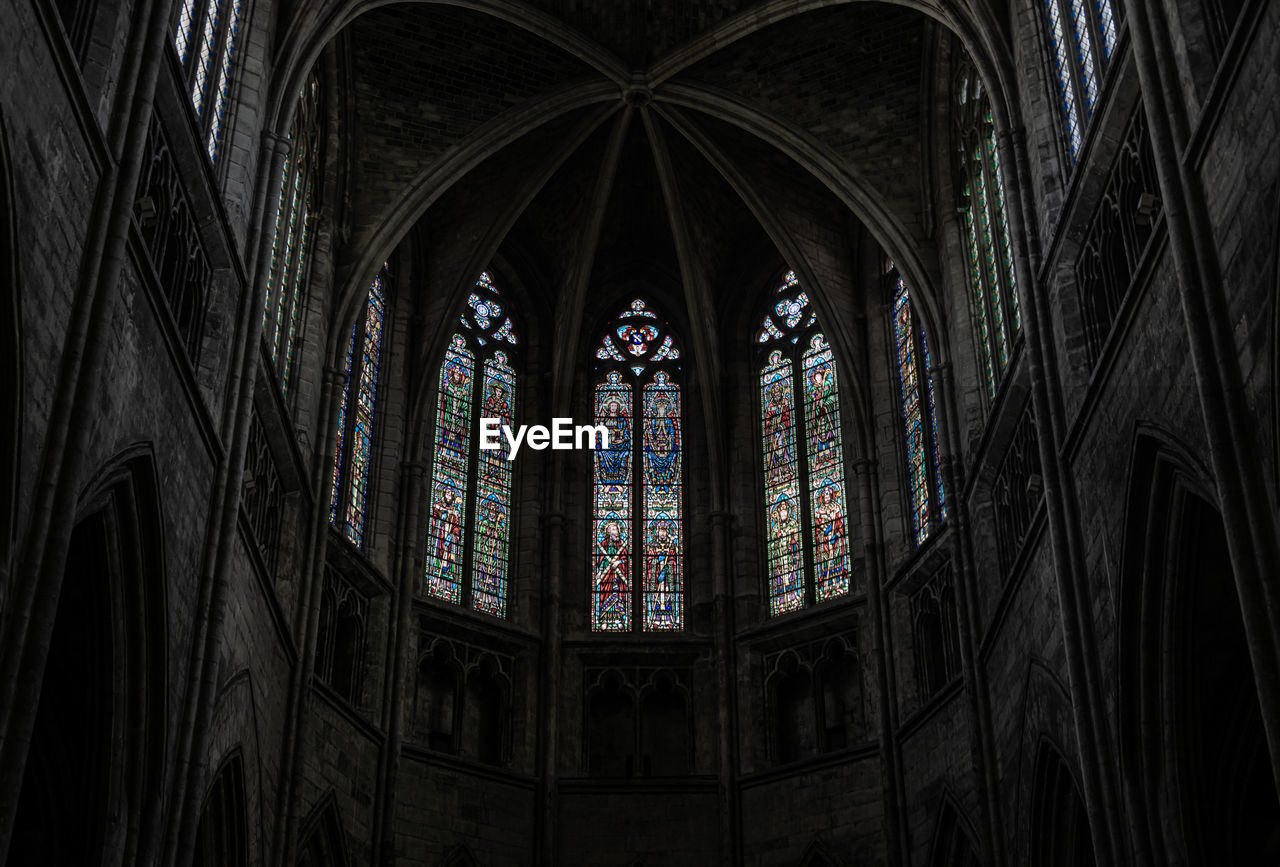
(323, 842)
(1193, 747)
(96, 757)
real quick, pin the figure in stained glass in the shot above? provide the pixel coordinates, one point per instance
(804, 502)
(637, 489)
(612, 573)
(786, 543)
(471, 561)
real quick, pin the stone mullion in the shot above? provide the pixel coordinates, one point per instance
(1071, 581)
(1247, 517)
(307, 627)
(549, 700)
(982, 732)
(395, 688)
(726, 681)
(872, 530)
(37, 580)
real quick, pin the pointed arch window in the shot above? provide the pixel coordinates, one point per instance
(206, 39)
(1082, 40)
(919, 414)
(805, 501)
(993, 290)
(295, 224)
(469, 523)
(637, 528)
(352, 463)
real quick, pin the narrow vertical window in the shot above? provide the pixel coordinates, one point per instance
(470, 488)
(806, 518)
(206, 38)
(356, 415)
(638, 481)
(1082, 39)
(993, 290)
(920, 422)
(295, 225)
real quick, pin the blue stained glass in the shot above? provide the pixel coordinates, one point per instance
(363, 414)
(1066, 89)
(450, 474)
(1084, 54)
(1107, 24)
(612, 517)
(492, 508)
(208, 40)
(827, 505)
(222, 95)
(912, 413)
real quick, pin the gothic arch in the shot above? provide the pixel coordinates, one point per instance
(953, 837)
(323, 840)
(235, 731)
(1047, 733)
(96, 757)
(222, 836)
(1192, 748)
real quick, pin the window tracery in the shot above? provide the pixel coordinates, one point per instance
(1082, 40)
(469, 500)
(919, 415)
(295, 224)
(638, 482)
(993, 289)
(806, 511)
(206, 38)
(354, 456)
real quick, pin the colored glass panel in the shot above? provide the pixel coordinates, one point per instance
(362, 411)
(784, 539)
(978, 293)
(982, 207)
(204, 57)
(222, 96)
(939, 491)
(912, 413)
(450, 467)
(1002, 225)
(1084, 55)
(663, 599)
(186, 23)
(1107, 25)
(612, 513)
(335, 502)
(492, 501)
(1062, 68)
(828, 509)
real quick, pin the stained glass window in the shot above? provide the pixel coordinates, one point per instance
(469, 490)
(638, 481)
(919, 415)
(806, 512)
(1082, 38)
(353, 458)
(291, 245)
(993, 291)
(206, 38)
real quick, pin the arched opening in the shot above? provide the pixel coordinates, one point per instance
(1059, 824)
(485, 712)
(63, 813)
(91, 787)
(221, 840)
(611, 728)
(952, 845)
(1227, 797)
(840, 688)
(436, 704)
(323, 842)
(664, 729)
(1205, 781)
(791, 689)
